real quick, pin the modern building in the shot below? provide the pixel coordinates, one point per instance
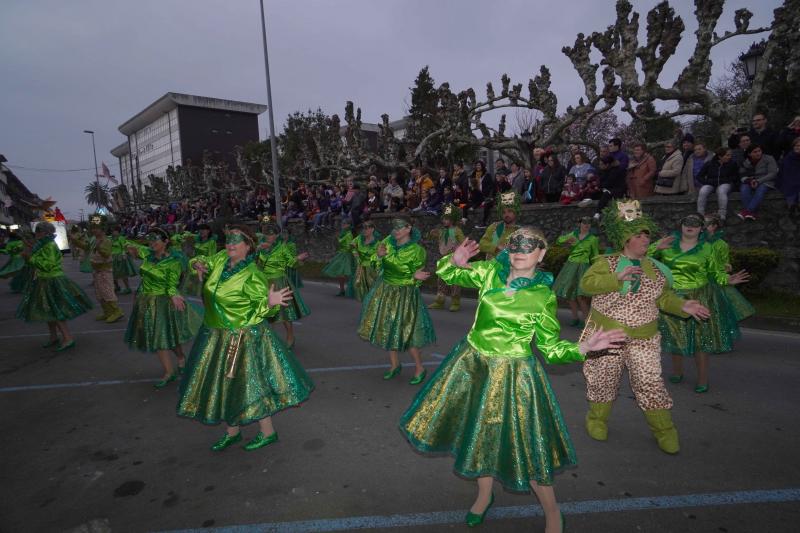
(371, 132)
(177, 128)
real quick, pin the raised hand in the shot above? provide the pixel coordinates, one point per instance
(200, 268)
(178, 302)
(380, 251)
(665, 243)
(630, 273)
(602, 340)
(697, 310)
(302, 256)
(421, 275)
(281, 297)
(740, 277)
(465, 251)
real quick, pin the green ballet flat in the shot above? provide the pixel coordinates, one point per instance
(259, 441)
(676, 378)
(416, 380)
(51, 342)
(700, 389)
(226, 441)
(393, 372)
(70, 344)
(166, 381)
(473, 519)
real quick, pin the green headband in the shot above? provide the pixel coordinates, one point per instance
(399, 223)
(692, 221)
(154, 236)
(524, 244)
(236, 237)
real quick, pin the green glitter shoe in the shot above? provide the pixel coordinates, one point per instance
(393, 372)
(473, 519)
(259, 441)
(416, 380)
(226, 441)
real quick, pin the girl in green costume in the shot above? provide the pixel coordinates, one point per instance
(585, 246)
(205, 245)
(275, 255)
(490, 404)
(694, 264)
(122, 267)
(160, 320)
(16, 268)
(238, 371)
(364, 251)
(52, 297)
(741, 307)
(343, 264)
(393, 315)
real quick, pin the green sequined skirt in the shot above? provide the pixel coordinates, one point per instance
(155, 324)
(394, 317)
(52, 300)
(85, 264)
(362, 281)
(741, 307)
(294, 277)
(567, 283)
(14, 264)
(296, 309)
(122, 266)
(342, 265)
(267, 378)
(496, 416)
(22, 280)
(191, 285)
(687, 336)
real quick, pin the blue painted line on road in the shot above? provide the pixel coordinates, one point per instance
(527, 511)
(113, 330)
(80, 384)
(438, 355)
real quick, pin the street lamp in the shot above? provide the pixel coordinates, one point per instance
(96, 176)
(272, 142)
(751, 59)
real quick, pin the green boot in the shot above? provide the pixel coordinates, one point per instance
(455, 304)
(114, 312)
(438, 303)
(102, 316)
(660, 422)
(596, 420)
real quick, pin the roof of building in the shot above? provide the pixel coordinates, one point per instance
(122, 149)
(170, 101)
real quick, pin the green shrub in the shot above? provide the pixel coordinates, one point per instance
(759, 262)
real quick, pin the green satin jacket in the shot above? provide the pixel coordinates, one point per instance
(365, 252)
(118, 245)
(234, 298)
(46, 259)
(207, 247)
(400, 262)
(583, 250)
(694, 268)
(507, 319)
(12, 248)
(275, 260)
(344, 239)
(160, 277)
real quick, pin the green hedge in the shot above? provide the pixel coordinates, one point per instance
(759, 262)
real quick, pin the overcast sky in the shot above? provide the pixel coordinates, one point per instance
(92, 64)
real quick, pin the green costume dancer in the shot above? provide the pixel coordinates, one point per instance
(741, 307)
(122, 266)
(274, 256)
(366, 272)
(695, 267)
(161, 320)
(496, 235)
(490, 404)
(291, 272)
(393, 315)
(16, 268)
(448, 236)
(52, 297)
(205, 245)
(343, 265)
(238, 371)
(584, 247)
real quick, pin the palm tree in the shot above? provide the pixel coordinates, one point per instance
(97, 194)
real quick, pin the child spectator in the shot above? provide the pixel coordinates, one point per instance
(571, 191)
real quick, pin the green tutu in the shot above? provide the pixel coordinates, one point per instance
(268, 378)
(191, 285)
(342, 265)
(497, 416)
(85, 264)
(22, 280)
(741, 307)
(394, 317)
(361, 282)
(296, 309)
(687, 336)
(14, 264)
(155, 324)
(568, 281)
(123, 266)
(53, 300)
(294, 277)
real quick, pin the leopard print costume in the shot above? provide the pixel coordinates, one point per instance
(642, 357)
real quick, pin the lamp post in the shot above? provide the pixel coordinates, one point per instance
(96, 177)
(751, 60)
(272, 141)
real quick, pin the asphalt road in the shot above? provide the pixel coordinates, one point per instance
(87, 441)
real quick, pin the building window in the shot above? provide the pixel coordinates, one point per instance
(228, 132)
(214, 131)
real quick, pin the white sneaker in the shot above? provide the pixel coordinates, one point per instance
(596, 216)
(585, 202)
